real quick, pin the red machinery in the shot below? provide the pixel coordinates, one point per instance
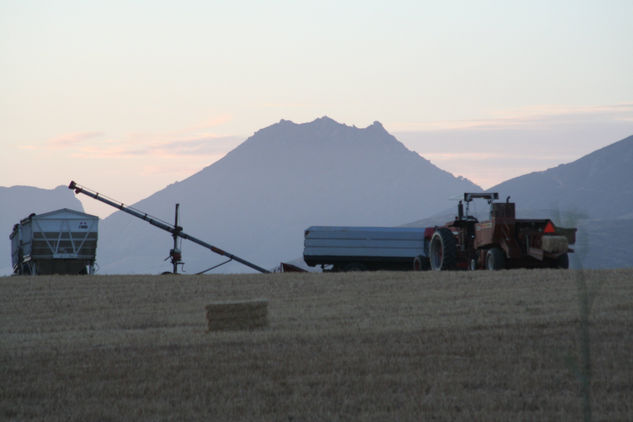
(501, 242)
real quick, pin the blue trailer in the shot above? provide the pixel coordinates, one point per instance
(338, 248)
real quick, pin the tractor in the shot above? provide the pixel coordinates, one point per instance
(501, 242)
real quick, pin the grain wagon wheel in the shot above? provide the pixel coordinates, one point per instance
(495, 259)
(443, 250)
(355, 266)
(420, 263)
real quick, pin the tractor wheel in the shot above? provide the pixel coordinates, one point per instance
(443, 250)
(420, 263)
(472, 265)
(355, 266)
(495, 259)
(25, 269)
(562, 261)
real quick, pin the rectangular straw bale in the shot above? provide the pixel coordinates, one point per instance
(554, 244)
(237, 315)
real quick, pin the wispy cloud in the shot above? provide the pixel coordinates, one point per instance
(28, 147)
(210, 123)
(514, 142)
(132, 147)
(542, 115)
(197, 140)
(72, 139)
(197, 146)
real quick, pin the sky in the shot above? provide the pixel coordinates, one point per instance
(127, 97)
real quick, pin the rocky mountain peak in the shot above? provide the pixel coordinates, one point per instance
(257, 201)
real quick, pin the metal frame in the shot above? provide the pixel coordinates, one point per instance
(175, 230)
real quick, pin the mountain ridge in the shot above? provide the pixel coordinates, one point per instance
(593, 193)
(600, 184)
(228, 204)
(257, 200)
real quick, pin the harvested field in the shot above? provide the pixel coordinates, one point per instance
(359, 347)
(241, 315)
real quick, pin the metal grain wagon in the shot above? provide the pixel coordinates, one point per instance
(366, 248)
(56, 242)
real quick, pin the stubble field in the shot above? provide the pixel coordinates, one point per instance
(358, 346)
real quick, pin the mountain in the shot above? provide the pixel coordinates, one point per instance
(257, 201)
(19, 202)
(593, 193)
(598, 185)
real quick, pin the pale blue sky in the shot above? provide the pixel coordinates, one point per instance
(153, 91)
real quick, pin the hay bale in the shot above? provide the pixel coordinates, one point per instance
(554, 244)
(237, 315)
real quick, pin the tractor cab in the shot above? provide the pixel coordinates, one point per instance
(502, 210)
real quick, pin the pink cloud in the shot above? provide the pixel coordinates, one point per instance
(72, 139)
(188, 142)
(544, 115)
(211, 122)
(27, 147)
(132, 147)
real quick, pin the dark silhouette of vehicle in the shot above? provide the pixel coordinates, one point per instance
(501, 242)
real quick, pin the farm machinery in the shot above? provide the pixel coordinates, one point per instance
(175, 253)
(338, 248)
(57, 242)
(501, 242)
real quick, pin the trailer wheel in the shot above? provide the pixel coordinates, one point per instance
(495, 259)
(443, 250)
(562, 261)
(420, 263)
(472, 265)
(25, 269)
(355, 266)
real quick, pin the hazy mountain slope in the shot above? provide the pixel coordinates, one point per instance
(598, 185)
(597, 192)
(593, 193)
(600, 243)
(604, 244)
(257, 201)
(18, 202)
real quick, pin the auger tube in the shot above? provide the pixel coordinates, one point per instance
(174, 230)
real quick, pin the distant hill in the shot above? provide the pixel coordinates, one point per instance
(593, 193)
(19, 202)
(257, 201)
(598, 185)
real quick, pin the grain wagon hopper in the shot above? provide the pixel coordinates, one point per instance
(56, 242)
(367, 248)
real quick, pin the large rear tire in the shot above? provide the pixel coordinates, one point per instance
(495, 259)
(443, 250)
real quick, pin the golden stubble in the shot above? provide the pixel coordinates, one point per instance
(357, 346)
